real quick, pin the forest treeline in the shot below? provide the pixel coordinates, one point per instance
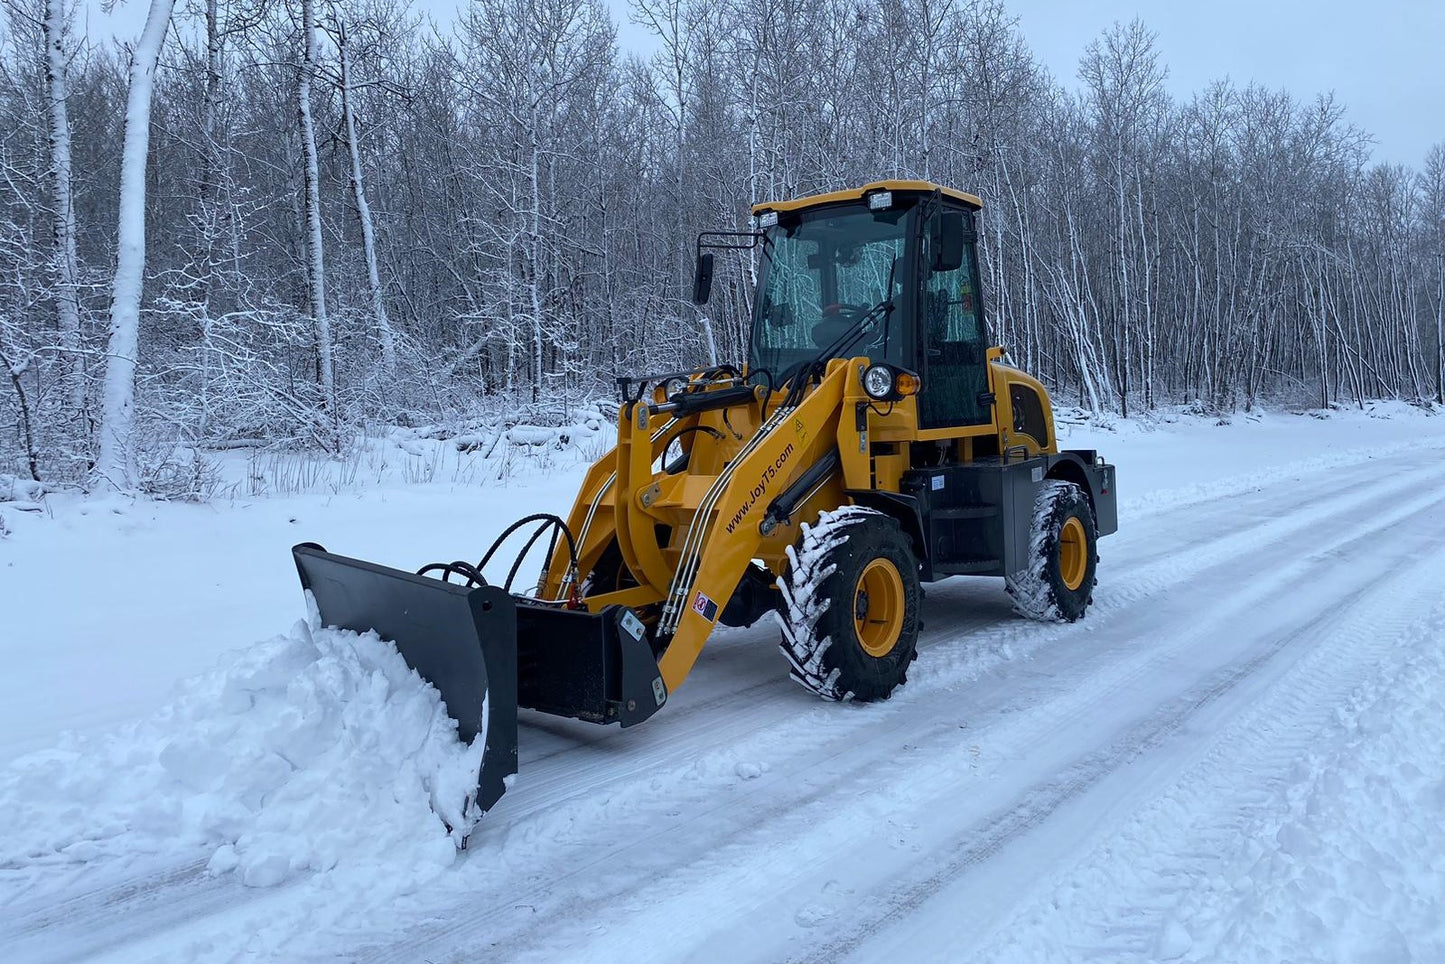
(274, 222)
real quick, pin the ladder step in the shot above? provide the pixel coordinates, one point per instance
(969, 567)
(970, 510)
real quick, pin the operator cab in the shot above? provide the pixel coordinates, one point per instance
(887, 271)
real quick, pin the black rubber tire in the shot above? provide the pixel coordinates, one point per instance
(1040, 592)
(820, 640)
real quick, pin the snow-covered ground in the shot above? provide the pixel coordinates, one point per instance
(1235, 757)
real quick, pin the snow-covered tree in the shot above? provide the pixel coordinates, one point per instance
(116, 465)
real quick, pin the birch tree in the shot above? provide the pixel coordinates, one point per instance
(311, 204)
(345, 84)
(56, 25)
(116, 465)
(1432, 238)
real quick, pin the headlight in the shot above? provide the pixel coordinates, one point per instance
(878, 382)
(889, 383)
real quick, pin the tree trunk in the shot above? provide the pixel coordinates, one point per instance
(67, 299)
(363, 214)
(315, 259)
(208, 205)
(116, 466)
(1440, 338)
(534, 253)
(27, 431)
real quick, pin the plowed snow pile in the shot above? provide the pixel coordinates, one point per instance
(313, 749)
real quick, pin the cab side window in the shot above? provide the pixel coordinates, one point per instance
(951, 308)
(954, 373)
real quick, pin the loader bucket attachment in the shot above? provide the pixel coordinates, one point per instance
(461, 640)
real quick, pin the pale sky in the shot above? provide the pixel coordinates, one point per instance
(1382, 58)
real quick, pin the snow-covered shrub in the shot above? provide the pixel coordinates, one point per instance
(241, 375)
(13, 488)
(177, 473)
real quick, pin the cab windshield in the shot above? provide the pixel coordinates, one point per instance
(824, 270)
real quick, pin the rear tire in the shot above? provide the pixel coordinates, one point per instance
(850, 602)
(1058, 584)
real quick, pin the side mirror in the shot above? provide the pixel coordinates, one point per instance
(702, 278)
(948, 241)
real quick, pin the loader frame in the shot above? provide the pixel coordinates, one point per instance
(693, 517)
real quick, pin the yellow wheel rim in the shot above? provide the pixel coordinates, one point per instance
(1073, 553)
(878, 607)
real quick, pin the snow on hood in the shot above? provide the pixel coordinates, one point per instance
(311, 749)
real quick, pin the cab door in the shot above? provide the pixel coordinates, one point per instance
(955, 372)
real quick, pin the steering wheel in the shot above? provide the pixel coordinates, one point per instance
(837, 318)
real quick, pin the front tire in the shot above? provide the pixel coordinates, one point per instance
(1058, 584)
(850, 602)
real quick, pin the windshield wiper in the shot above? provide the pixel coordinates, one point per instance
(857, 329)
(800, 373)
(861, 326)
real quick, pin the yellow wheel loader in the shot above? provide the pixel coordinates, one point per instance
(873, 441)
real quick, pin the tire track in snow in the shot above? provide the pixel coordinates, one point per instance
(1371, 604)
(1341, 505)
(1229, 530)
(1040, 801)
(97, 910)
(1122, 892)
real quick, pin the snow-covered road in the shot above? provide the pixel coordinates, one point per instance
(1036, 792)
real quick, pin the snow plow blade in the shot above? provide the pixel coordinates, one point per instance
(461, 640)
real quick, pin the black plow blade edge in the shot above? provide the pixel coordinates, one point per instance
(462, 641)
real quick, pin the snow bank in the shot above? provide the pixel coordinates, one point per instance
(524, 437)
(1348, 865)
(315, 748)
(15, 489)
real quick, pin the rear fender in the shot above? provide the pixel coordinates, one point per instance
(1085, 469)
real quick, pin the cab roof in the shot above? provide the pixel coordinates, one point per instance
(857, 193)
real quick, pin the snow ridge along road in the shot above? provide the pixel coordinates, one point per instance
(1035, 792)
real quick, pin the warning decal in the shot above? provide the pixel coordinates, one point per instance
(704, 606)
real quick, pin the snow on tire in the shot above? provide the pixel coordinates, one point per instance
(1058, 583)
(824, 601)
